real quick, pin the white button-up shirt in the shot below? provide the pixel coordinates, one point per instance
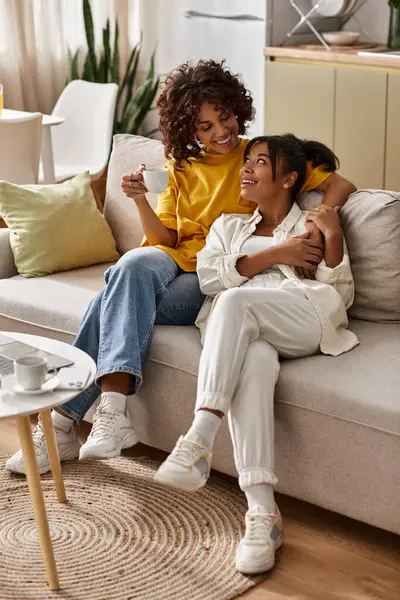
(331, 293)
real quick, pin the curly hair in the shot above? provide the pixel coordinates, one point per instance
(185, 90)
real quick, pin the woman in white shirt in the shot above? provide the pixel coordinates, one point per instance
(256, 300)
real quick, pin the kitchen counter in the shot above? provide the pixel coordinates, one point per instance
(345, 57)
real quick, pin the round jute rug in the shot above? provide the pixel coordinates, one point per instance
(122, 537)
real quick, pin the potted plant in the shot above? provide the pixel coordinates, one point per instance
(133, 101)
(394, 25)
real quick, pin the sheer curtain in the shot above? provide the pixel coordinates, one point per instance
(34, 39)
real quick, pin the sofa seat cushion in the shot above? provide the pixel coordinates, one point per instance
(55, 302)
(361, 386)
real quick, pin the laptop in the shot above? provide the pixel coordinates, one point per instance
(11, 350)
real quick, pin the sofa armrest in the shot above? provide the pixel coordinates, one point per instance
(7, 264)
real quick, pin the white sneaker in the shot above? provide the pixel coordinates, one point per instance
(67, 444)
(187, 467)
(112, 431)
(264, 535)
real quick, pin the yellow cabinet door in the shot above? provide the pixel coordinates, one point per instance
(300, 100)
(360, 125)
(392, 174)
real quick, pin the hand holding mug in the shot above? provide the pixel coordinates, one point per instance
(132, 184)
(136, 185)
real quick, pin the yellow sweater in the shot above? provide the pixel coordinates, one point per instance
(200, 192)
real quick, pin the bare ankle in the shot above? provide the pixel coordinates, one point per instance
(116, 382)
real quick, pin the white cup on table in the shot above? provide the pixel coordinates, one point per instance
(30, 372)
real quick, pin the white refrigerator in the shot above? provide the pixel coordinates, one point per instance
(234, 30)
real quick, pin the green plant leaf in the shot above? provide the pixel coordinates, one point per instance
(73, 65)
(115, 59)
(151, 71)
(146, 104)
(101, 71)
(141, 92)
(137, 107)
(107, 50)
(87, 74)
(88, 20)
(131, 81)
(125, 78)
(128, 68)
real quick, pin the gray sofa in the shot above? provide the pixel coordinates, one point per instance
(337, 419)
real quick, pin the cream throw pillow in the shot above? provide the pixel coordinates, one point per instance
(55, 227)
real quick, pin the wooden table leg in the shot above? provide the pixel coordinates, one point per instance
(52, 449)
(33, 478)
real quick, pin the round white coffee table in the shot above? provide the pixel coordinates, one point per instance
(18, 407)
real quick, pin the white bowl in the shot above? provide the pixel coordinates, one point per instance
(341, 38)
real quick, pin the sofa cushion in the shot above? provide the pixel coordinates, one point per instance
(128, 152)
(55, 227)
(56, 302)
(347, 387)
(371, 223)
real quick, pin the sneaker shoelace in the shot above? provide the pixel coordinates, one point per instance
(103, 423)
(38, 436)
(186, 453)
(258, 527)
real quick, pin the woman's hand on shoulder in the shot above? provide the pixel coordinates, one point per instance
(316, 236)
(326, 219)
(132, 184)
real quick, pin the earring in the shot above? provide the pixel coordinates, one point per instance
(285, 185)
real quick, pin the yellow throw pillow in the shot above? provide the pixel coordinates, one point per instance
(55, 227)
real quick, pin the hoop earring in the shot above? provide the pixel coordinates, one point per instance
(198, 142)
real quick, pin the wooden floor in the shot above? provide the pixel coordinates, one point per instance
(325, 556)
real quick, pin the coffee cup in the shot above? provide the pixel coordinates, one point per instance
(156, 180)
(30, 371)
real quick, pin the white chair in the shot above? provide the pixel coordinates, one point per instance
(20, 149)
(83, 141)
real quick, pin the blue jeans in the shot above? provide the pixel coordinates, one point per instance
(145, 287)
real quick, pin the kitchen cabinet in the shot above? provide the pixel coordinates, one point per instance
(392, 171)
(300, 100)
(360, 126)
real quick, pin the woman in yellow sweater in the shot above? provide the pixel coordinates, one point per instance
(203, 110)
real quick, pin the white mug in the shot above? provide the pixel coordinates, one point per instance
(156, 180)
(30, 371)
